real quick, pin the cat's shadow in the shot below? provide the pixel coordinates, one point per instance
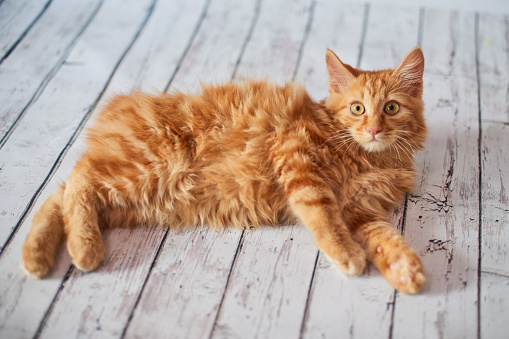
(131, 252)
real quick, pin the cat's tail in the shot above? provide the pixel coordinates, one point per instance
(44, 237)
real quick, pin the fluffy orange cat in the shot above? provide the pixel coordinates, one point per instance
(250, 154)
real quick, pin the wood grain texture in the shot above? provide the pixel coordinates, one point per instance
(443, 210)
(279, 39)
(267, 291)
(16, 19)
(336, 25)
(184, 291)
(493, 55)
(29, 68)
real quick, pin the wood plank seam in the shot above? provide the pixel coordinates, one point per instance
(304, 39)
(193, 35)
(479, 158)
(237, 251)
(248, 37)
(306, 306)
(46, 80)
(25, 32)
(365, 21)
(44, 319)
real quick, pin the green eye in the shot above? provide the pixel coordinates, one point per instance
(392, 107)
(357, 108)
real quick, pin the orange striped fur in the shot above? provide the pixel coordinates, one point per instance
(250, 154)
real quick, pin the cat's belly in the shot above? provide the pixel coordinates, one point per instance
(189, 198)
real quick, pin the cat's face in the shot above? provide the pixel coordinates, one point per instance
(381, 110)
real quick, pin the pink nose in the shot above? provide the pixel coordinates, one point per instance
(373, 130)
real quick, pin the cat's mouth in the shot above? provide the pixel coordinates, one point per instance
(373, 144)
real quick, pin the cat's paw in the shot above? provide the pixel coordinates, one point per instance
(403, 271)
(86, 254)
(349, 259)
(35, 263)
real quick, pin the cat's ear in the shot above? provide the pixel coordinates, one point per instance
(340, 75)
(410, 71)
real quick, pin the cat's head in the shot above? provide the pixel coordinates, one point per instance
(380, 110)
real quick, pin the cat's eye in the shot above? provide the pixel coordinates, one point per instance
(357, 108)
(392, 107)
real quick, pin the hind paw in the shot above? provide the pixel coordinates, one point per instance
(36, 264)
(86, 254)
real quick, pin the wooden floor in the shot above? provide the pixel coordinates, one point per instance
(61, 59)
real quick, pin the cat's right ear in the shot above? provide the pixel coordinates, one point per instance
(340, 76)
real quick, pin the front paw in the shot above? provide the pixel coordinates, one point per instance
(403, 270)
(349, 258)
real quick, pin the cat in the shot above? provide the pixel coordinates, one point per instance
(248, 154)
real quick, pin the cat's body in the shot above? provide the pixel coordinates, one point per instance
(250, 154)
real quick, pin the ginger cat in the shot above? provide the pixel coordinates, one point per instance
(250, 154)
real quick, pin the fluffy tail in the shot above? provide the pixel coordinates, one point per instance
(46, 233)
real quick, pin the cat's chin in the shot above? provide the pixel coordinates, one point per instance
(374, 146)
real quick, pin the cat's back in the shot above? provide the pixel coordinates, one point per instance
(219, 111)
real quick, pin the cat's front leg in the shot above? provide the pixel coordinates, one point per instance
(321, 216)
(391, 254)
(314, 203)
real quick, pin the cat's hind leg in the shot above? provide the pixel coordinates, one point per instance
(81, 204)
(46, 233)
(390, 253)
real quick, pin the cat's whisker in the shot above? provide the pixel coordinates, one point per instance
(408, 143)
(393, 144)
(405, 149)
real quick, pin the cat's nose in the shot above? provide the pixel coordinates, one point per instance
(373, 130)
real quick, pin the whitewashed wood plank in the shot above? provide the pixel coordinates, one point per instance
(214, 54)
(157, 55)
(279, 33)
(16, 18)
(267, 291)
(266, 294)
(392, 32)
(37, 58)
(338, 26)
(98, 304)
(443, 211)
(335, 302)
(21, 296)
(493, 66)
(186, 286)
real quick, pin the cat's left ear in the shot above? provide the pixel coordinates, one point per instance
(410, 71)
